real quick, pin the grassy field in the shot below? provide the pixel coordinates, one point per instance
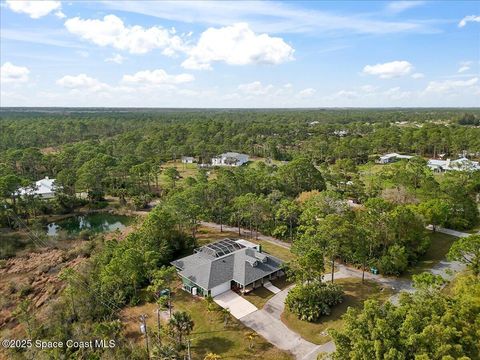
(438, 251)
(209, 332)
(185, 170)
(355, 294)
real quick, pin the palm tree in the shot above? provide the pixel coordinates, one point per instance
(212, 356)
(181, 325)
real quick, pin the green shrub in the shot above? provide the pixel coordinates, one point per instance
(310, 301)
(394, 262)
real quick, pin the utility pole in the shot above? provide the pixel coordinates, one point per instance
(159, 326)
(143, 329)
(188, 350)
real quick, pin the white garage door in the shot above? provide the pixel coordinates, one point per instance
(220, 289)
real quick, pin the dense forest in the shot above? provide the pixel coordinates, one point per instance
(312, 181)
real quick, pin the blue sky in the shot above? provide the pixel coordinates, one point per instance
(240, 54)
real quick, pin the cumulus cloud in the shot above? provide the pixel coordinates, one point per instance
(35, 9)
(115, 58)
(82, 82)
(342, 95)
(237, 45)
(467, 19)
(255, 88)
(464, 66)
(306, 93)
(156, 77)
(418, 76)
(111, 31)
(396, 93)
(60, 14)
(10, 73)
(449, 86)
(389, 70)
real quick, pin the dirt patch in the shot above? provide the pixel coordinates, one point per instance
(33, 276)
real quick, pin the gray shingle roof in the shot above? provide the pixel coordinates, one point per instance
(245, 266)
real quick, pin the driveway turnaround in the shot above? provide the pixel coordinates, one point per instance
(238, 306)
(267, 323)
(271, 287)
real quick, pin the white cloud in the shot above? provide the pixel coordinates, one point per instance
(306, 93)
(467, 19)
(368, 88)
(10, 73)
(35, 9)
(82, 82)
(400, 6)
(449, 86)
(418, 76)
(111, 31)
(396, 93)
(156, 77)
(389, 70)
(237, 45)
(342, 95)
(115, 58)
(464, 66)
(60, 14)
(255, 88)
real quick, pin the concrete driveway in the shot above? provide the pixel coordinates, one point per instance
(267, 323)
(238, 306)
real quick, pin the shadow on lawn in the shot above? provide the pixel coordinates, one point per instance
(214, 344)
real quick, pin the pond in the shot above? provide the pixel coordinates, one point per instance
(94, 222)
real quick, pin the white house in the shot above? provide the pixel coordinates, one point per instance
(392, 157)
(230, 159)
(456, 165)
(44, 189)
(188, 159)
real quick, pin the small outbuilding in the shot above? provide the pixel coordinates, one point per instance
(188, 159)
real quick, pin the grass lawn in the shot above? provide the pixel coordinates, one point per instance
(259, 296)
(209, 333)
(438, 251)
(278, 251)
(355, 294)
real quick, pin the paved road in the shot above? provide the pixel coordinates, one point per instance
(449, 231)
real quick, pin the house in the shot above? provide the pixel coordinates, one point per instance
(392, 157)
(448, 165)
(230, 159)
(188, 159)
(227, 264)
(44, 189)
